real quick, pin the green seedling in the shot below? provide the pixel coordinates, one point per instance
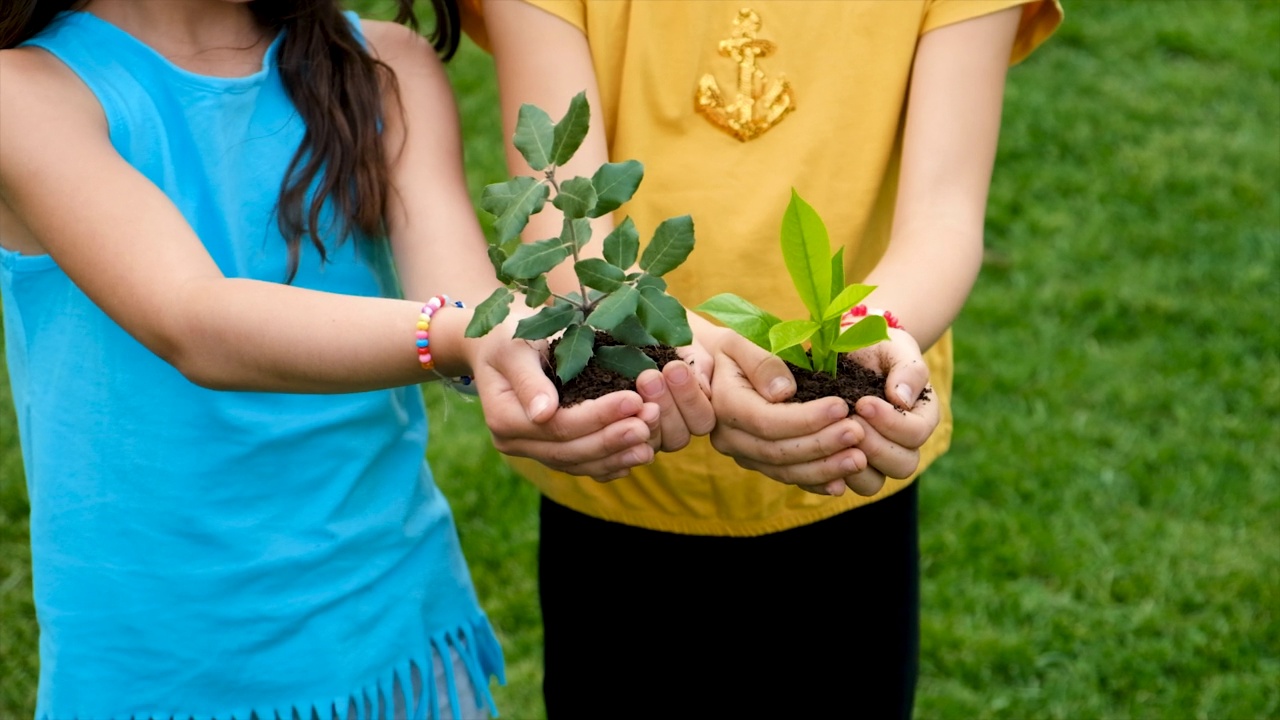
(629, 303)
(819, 279)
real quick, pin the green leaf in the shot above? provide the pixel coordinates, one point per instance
(598, 274)
(866, 332)
(630, 331)
(847, 298)
(575, 232)
(622, 245)
(547, 322)
(615, 183)
(671, 244)
(534, 136)
(512, 202)
(806, 249)
(743, 317)
(837, 272)
(796, 356)
(533, 259)
(573, 352)
(497, 256)
(489, 313)
(663, 317)
(537, 292)
(790, 333)
(576, 197)
(646, 280)
(624, 360)
(613, 310)
(570, 131)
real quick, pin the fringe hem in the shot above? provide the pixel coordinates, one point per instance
(474, 644)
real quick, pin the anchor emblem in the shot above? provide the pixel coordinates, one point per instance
(760, 104)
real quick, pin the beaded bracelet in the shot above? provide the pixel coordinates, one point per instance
(853, 314)
(423, 334)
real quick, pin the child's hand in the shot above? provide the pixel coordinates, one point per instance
(811, 445)
(682, 392)
(602, 438)
(894, 432)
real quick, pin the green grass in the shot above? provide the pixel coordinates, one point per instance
(1102, 540)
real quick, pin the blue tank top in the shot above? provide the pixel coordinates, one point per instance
(199, 553)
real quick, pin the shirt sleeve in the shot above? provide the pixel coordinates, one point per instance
(573, 12)
(1039, 19)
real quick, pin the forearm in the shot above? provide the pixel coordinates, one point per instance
(949, 147)
(303, 340)
(926, 276)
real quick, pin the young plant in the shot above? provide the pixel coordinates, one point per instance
(630, 305)
(819, 280)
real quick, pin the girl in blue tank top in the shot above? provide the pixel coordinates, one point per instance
(228, 232)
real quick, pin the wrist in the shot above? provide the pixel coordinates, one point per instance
(442, 349)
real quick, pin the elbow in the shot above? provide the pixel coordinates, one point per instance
(193, 362)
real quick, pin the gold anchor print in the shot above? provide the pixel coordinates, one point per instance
(760, 104)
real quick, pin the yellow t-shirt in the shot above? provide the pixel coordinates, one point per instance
(827, 81)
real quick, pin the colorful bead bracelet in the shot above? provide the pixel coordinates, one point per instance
(423, 335)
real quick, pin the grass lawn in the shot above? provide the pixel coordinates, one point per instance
(1102, 540)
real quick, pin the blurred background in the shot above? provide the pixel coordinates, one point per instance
(1103, 540)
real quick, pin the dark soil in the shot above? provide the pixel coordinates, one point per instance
(852, 383)
(594, 381)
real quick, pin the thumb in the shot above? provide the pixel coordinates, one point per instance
(908, 374)
(522, 367)
(766, 372)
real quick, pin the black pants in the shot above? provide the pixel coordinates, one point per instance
(819, 621)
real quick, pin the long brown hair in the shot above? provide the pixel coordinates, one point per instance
(337, 88)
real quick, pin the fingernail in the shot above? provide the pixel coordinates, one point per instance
(849, 439)
(630, 405)
(632, 437)
(652, 387)
(679, 374)
(539, 404)
(849, 465)
(778, 388)
(838, 411)
(866, 409)
(905, 394)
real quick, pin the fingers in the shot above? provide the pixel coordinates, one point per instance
(671, 432)
(520, 369)
(827, 442)
(763, 371)
(901, 361)
(909, 429)
(887, 457)
(865, 483)
(824, 476)
(738, 407)
(601, 438)
(607, 454)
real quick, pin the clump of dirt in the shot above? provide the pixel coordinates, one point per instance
(595, 381)
(851, 383)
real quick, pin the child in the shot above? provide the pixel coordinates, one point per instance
(215, 378)
(726, 592)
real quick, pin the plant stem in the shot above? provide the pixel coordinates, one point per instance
(573, 240)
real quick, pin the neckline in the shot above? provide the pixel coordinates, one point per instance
(268, 57)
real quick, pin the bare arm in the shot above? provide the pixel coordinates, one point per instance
(949, 148)
(131, 251)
